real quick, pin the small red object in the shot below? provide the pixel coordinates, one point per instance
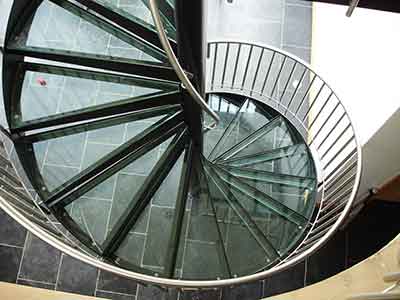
(41, 81)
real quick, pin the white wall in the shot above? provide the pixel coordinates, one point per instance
(360, 58)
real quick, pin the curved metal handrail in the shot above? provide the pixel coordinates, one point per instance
(339, 175)
(175, 63)
(336, 200)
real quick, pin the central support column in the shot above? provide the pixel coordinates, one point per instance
(190, 40)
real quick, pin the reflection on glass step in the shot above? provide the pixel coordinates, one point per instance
(63, 26)
(280, 231)
(297, 151)
(294, 192)
(278, 137)
(143, 198)
(244, 240)
(159, 228)
(97, 211)
(54, 91)
(63, 159)
(205, 256)
(271, 177)
(226, 110)
(137, 11)
(258, 196)
(167, 13)
(255, 135)
(247, 120)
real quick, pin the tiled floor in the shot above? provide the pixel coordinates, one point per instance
(285, 24)
(25, 259)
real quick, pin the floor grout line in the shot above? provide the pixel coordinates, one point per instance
(36, 281)
(59, 271)
(97, 282)
(11, 246)
(117, 293)
(23, 254)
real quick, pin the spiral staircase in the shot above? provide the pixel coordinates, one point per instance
(122, 161)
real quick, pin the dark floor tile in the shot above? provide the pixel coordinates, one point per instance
(40, 261)
(76, 277)
(11, 233)
(249, 291)
(285, 281)
(297, 26)
(158, 235)
(36, 284)
(114, 283)
(113, 296)
(201, 295)
(151, 292)
(10, 258)
(327, 261)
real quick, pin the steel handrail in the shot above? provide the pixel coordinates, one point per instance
(175, 63)
(341, 205)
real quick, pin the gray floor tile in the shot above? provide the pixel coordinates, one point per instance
(201, 295)
(76, 277)
(40, 261)
(92, 216)
(158, 235)
(132, 248)
(114, 283)
(36, 284)
(150, 292)
(114, 296)
(297, 26)
(9, 263)
(66, 151)
(11, 233)
(249, 291)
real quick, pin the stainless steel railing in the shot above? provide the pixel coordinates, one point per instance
(177, 67)
(290, 86)
(264, 74)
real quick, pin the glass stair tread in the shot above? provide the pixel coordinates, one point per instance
(226, 110)
(294, 192)
(71, 28)
(299, 150)
(262, 198)
(51, 94)
(138, 11)
(248, 119)
(244, 240)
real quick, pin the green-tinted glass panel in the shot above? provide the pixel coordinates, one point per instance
(118, 190)
(264, 161)
(137, 11)
(260, 197)
(276, 138)
(294, 192)
(243, 238)
(52, 91)
(247, 121)
(226, 110)
(167, 15)
(162, 213)
(204, 256)
(278, 225)
(65, 27)
(61, 159)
